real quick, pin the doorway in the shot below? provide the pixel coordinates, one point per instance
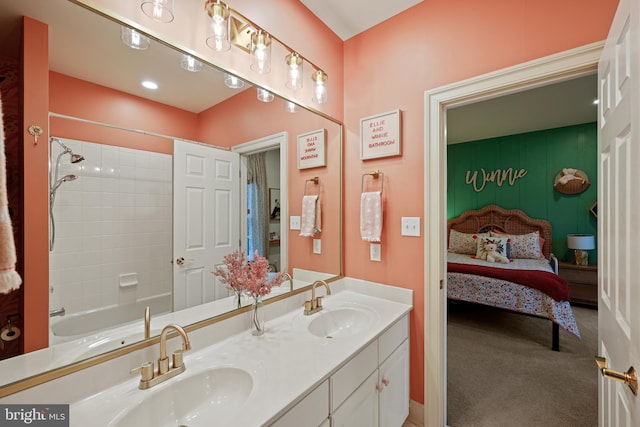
(566, 65)
(263, 206)
(275, 152)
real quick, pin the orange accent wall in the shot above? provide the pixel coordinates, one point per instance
(78, 98)
(35, 95)
(391, 66)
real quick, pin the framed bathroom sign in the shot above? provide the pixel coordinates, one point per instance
(311, 148)
(380, 135)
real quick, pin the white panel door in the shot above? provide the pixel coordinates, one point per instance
(206, 220)
(619, 214)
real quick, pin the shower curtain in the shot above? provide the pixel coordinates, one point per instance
(9, 278)
(258, 204)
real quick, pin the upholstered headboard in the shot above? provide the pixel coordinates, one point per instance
(512, 221)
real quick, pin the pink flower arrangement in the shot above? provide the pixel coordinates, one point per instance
(249, 277)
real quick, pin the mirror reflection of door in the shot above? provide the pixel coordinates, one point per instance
(263, 206)
(206, 220)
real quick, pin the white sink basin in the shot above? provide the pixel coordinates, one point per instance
(197, 400)
(341, 322)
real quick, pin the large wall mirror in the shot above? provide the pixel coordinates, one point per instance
(118, 240)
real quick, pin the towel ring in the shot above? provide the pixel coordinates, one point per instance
(315, 180)
(375, 174)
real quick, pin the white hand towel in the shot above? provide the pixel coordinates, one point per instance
(9, 278)
(310, 222)
(371, 216)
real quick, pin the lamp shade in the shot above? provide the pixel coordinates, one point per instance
(581, 241)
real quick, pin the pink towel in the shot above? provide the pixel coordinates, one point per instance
(9, 278)
(310, 222)
(371, 216)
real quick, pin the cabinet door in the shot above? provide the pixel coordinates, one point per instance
(361, 408)
(394, 380)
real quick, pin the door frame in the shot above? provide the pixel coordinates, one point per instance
(555, 68)
(279, 140)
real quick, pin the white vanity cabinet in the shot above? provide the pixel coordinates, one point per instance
(313, 410)
(383, 398)
(394, 381)
(371, 389)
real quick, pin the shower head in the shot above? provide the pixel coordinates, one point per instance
(76, 158)
(59, 182)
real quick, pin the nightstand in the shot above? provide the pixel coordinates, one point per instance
(583, 282)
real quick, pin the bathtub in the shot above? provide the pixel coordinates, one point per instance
(72, 326)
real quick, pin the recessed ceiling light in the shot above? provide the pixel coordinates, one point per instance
(149, 84)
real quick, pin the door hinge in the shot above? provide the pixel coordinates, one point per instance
(441, 284)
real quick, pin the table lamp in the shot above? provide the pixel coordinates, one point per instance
(581, 243)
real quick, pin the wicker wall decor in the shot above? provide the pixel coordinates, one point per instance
(571, 181)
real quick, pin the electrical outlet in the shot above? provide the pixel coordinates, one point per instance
(317, 246)
(410, 226)
(374, 252)
(294, 222)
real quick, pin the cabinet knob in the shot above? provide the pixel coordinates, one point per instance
(385, 381)
(379, 387)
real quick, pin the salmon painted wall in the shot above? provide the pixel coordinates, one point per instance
(221, 125)
(391, 66)
(105, 105)
(35, 96)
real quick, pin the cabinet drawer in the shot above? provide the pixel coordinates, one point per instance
(392, 338)
(580, 276)
(350, 376)
(585, 294)
(313, 410)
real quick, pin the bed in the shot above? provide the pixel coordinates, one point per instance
(526, 283)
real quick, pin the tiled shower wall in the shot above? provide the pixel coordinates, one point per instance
(113, 226)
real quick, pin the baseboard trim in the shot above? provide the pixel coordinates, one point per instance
(416, 413)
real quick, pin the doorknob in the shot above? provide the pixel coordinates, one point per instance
(180, 261)
(630, 377)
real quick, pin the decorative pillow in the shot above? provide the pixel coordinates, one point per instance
(500, 246)
(464, 243)
(526, 246)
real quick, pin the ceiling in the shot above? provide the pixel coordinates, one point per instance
(88, 47)
(562, 104)
(347, 18)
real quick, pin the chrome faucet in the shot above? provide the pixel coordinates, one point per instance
(315, 303)
(290, 280)
(149, 378)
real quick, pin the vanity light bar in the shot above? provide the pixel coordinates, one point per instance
(243, 34)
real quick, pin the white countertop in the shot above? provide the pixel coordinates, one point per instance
(285, 363)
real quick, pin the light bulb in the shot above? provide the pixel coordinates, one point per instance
(233, 82)
(294, 71)
(158, 10)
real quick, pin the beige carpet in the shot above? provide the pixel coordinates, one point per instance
(502, 371)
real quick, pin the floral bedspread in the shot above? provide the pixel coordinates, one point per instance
(509, 295)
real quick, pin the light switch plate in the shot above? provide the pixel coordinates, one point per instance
(317, 246)
(294, 222)
(374, 252)
(410, 226)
